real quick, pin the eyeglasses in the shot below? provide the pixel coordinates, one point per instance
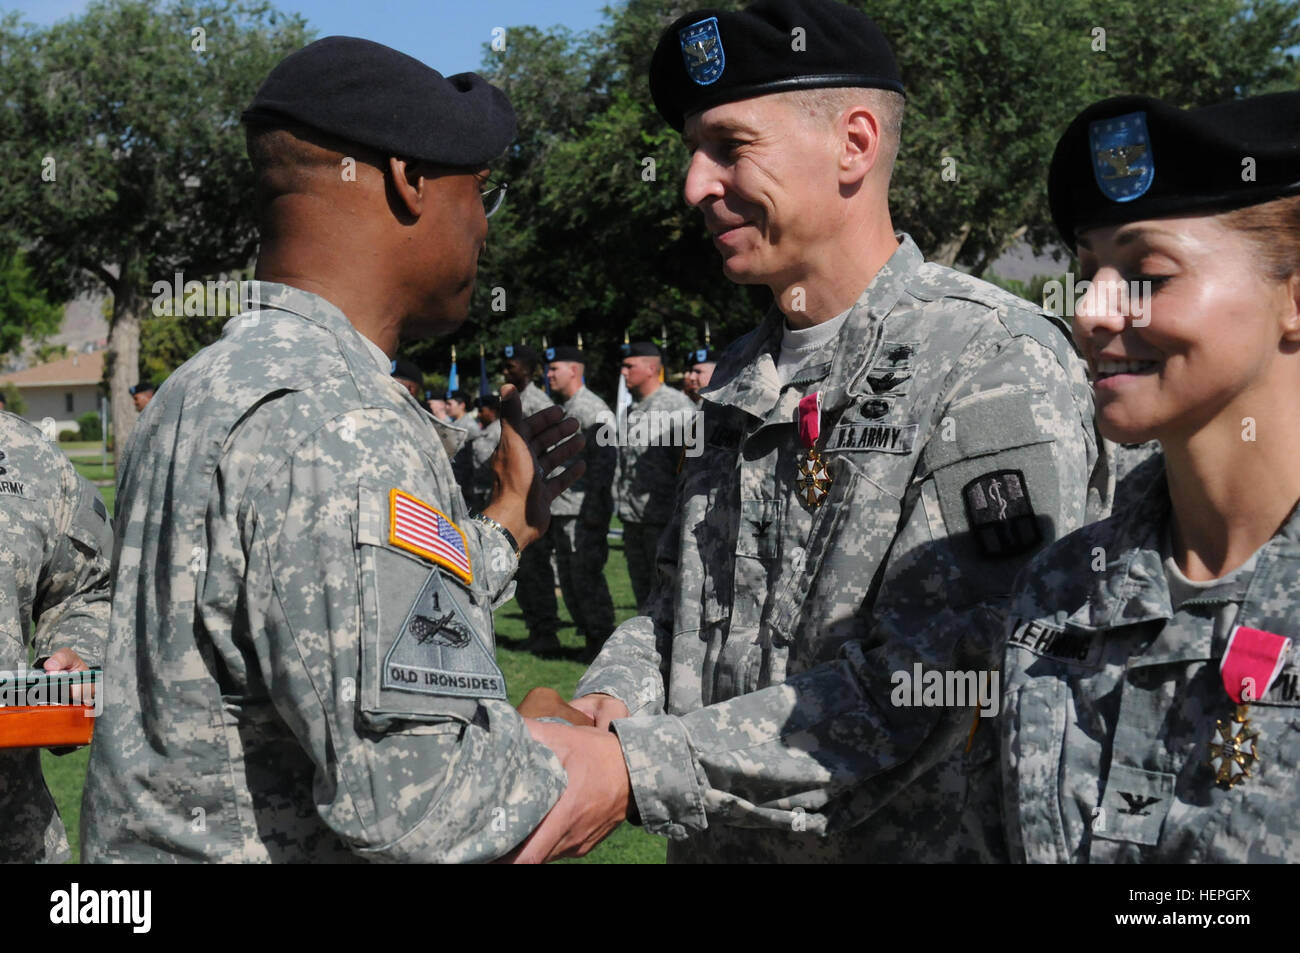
(493, 194)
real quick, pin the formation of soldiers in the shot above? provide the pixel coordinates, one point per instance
(888, 609)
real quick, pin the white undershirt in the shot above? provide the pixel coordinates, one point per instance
(798, 346)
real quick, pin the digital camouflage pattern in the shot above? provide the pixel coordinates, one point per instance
(580, 523)
(265, 621)
(54, 594)
(759, 682)
(648, 463)
(535, 580)
(1112, 694)
(647, 467)
(481, 446)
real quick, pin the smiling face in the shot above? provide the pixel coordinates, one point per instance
(1206, 346)
(767, 182)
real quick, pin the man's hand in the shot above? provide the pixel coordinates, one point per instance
(602, 709)
(594, 803)
(67, 660)
(521, 493)
(543, 702)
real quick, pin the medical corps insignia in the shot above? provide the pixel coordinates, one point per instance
(702, 51)
(1121, 156)
(1001, 517)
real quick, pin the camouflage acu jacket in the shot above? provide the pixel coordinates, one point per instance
(54, 594)
(592, 496)
(1113, 697)
(649, 457)
(957, 427)
(300, 663)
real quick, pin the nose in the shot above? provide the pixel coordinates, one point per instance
(1104, 308)
(702, 179)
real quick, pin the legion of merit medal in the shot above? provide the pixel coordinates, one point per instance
(1252, 658)
(814, 481)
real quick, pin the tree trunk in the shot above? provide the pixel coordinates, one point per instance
(123, 361)
(994, 253)
(946, 254)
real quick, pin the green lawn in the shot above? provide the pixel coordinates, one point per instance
(523, 671)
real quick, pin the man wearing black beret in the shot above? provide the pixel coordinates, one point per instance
(535, 580)
(881, 454)
(700, 363)
(580, 517)
(301, 660)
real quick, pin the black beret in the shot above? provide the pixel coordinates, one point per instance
(710, 57)
(701, 355)
(639, 349)
(565, 352)
(370, 94)
(144, 387)
(1134, 157)
(521, 352)
(407, 371)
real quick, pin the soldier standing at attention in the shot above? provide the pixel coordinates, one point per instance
(881, 454)
(580, 516)
(459, 412)
(1152, 706)
(700, 364)
(535, 581)
(54, 596)
(648, 460)
(300, 663)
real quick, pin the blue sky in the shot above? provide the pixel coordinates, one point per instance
(447, 34)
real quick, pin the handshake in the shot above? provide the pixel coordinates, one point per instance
(599, 793)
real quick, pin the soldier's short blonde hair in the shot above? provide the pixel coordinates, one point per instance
(825, 105)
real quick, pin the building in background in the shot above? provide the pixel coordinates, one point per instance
(63, 389)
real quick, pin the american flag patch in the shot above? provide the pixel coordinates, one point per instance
(418, 528)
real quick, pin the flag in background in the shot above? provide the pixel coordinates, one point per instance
(453, 378)
(484, 387)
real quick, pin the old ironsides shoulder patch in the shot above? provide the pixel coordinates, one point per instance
(1000, 515)
(702, 51)
(418, 528)
(436, 651)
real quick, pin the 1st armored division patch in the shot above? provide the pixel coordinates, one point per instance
(436, 651)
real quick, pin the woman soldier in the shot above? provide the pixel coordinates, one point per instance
(1152, 690)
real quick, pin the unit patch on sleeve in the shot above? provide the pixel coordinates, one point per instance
(437, 652)
(418, 528)
(1000, 515)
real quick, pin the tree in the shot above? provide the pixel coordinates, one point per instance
(25, 311)
(595, 240)
(125, 156)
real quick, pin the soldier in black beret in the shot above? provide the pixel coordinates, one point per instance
(699, 363)
(353, 586)
(535, 580)
(141, 394)
(829, 514)
(407, 373)
(1186, 223)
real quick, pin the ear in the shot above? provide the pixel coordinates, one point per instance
(408, 184)
(1291, 317)
(859, 131)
